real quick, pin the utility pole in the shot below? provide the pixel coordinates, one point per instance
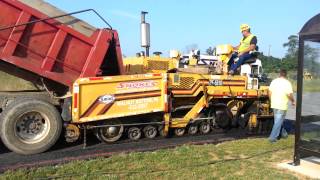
(269, 50)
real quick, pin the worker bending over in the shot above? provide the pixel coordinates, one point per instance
(248, 43)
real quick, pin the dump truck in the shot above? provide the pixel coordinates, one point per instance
(51, 49)
(44, 41)
(84, 86)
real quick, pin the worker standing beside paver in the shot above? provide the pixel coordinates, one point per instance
(280, 92)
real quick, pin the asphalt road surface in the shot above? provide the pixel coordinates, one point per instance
(63, 152)
(310, 106)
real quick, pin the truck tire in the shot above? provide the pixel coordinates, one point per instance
(30, 126)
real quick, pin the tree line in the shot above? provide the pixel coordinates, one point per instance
(289, 61)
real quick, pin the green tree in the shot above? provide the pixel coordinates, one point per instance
(270, 64)
(292, 46)
(210, 51)
(310, 58)
(290, 61)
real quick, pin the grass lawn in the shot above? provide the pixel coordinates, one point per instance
(242, 159)
(311, 85)
(308, 85)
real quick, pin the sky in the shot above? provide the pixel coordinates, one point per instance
(178, 24)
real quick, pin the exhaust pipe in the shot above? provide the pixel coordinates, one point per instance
(145, 33)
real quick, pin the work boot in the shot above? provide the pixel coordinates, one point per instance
(231, 72)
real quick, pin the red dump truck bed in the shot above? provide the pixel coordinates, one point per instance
(61, 49)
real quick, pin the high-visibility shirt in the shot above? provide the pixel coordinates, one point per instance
(280, 89)
(245, 43)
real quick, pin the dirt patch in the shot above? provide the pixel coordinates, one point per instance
(214, 156)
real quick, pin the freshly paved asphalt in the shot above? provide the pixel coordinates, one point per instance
(64, 152)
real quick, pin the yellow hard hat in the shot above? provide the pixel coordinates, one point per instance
(174, 54)
(244, 27)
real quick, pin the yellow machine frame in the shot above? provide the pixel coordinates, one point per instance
(102, 98)
(118, 96)
(153, 64)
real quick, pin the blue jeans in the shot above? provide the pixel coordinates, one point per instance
(241, 60)
(277, 128)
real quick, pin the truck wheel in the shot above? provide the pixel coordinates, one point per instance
(223, 118)
(30, 126)
(193, 129)
(204, 127)
(109, 134)
(179, 131)
(134, 133)
(150, 131)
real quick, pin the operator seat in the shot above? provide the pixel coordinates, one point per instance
(255, 55)
(246, 67)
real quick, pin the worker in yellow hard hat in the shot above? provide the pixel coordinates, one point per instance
(247, 44)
